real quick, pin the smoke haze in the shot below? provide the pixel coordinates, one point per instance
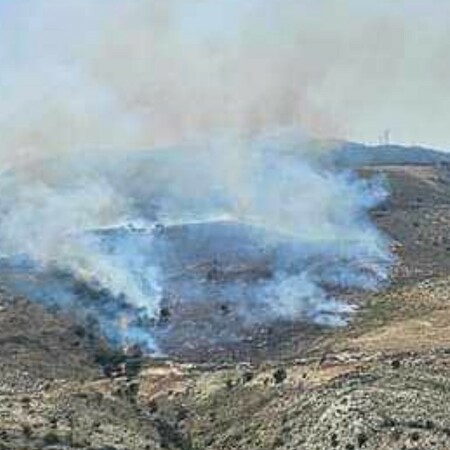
(137, 73)
(175, 112)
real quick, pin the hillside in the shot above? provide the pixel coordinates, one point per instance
(380, 383)
(354, 155)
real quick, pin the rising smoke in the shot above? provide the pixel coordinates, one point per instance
(123, 115)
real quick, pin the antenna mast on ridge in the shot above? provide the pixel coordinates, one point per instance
(387, 137)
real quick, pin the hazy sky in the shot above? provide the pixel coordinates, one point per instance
(145, 68)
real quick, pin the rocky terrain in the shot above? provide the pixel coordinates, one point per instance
(380, 383)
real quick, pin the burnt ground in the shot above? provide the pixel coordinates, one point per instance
(380, 383)
(415, 217)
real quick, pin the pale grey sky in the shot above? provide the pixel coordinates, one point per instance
(152, 71)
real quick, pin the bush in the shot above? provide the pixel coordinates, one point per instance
(27, 430)
(279, 375)
(51, 438)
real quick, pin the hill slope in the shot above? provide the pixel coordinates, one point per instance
(380, 383)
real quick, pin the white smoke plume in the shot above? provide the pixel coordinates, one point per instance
(174, 112)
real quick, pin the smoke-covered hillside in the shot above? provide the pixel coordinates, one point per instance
(187, 262)
(354, 155)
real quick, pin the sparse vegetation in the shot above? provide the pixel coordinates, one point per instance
(380, 383)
